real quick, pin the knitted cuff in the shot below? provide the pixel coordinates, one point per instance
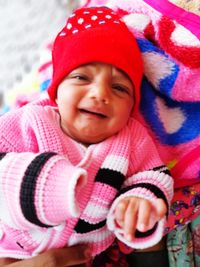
(57, 194)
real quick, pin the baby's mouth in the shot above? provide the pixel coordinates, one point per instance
(98, 114)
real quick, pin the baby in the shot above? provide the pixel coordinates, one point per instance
(76, 167)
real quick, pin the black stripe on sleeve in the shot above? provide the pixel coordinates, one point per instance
(151, 187)
(162, 169)
(110, 177)
(28, 187)
(2, 155)
(85, 227)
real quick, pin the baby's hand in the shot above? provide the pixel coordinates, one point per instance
(138, 213)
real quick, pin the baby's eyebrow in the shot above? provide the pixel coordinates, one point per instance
(122, 75)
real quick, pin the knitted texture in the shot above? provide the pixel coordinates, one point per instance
(54, 192)
(95, 35)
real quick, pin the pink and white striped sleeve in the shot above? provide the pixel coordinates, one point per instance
(38, 189)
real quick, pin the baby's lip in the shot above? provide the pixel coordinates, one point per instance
(94, 111)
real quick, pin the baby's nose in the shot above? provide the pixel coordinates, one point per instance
(101, 92)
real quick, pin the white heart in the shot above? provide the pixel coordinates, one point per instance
(183, 37)
(171, 118)
(156, 67)
(137, 21)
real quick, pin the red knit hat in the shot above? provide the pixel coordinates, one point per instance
(95, 34)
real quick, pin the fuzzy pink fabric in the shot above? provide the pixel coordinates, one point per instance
(54, 192)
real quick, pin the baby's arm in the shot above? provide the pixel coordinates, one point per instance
(149, 188)
(138, 214)
(38, 189)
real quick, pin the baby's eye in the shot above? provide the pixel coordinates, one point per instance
(120, 88)
(80, 77)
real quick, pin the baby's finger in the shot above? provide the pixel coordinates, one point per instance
(144, 212)
(120, 211)
(160, 207)
(130, 220)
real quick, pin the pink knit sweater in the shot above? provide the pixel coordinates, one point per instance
(55, 192)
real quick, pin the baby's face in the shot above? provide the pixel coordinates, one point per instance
(95, 102)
